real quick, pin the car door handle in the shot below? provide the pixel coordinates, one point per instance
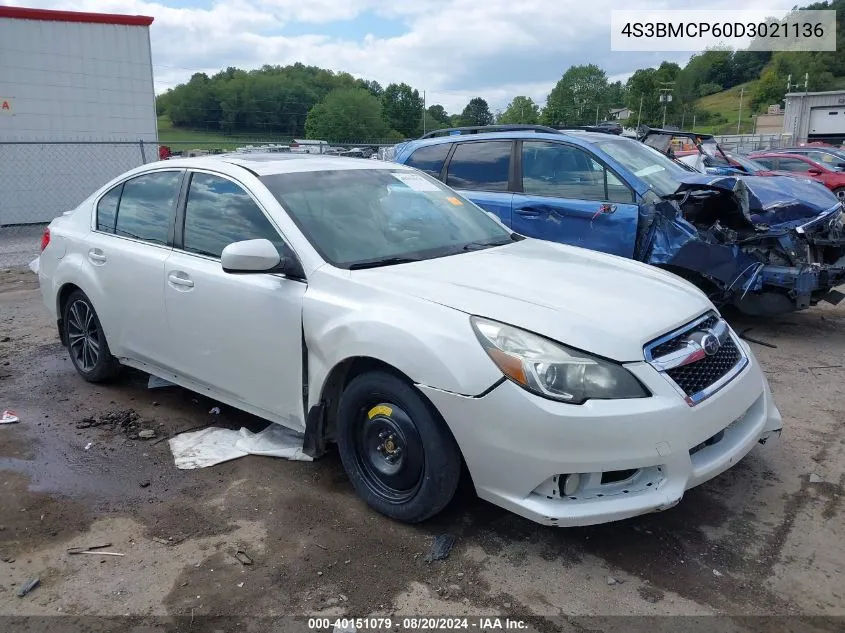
(96, 256)
(530, 212)
(180, 279)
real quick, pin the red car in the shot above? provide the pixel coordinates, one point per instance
(796, 164)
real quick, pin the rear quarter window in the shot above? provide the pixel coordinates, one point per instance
(480, 165)
(430, 159)
(107, 209)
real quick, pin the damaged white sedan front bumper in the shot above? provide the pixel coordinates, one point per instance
(606, 460)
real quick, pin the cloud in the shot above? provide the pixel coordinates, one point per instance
(452, 49)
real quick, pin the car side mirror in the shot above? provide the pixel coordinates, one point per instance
(252, 256)
(814, 170)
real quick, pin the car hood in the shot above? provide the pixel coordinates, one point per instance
(772, 200)
(606, 305)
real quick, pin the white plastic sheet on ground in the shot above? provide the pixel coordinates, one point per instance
(33, 265)
(200, 449)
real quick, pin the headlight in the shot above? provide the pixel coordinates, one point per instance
(553, 370)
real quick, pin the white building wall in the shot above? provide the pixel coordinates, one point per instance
(800, 106)
(64, 82)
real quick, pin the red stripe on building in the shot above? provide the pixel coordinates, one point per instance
(23, 13)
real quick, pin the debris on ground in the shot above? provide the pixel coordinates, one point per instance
(717, 573)
(440, 548)
(159, 383)
(144, 484)
(170, 540)
(240, 584)
(815, 479)
(125, 421)
(7, 559)
(614, 581)
(28, 586)
(89, 445)
(9, 417)
(744, 335)
(243, 558)
(80, 550)
(215, 445)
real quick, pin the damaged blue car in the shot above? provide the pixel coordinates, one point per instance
(765, 245)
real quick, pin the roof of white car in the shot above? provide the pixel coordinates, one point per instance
(277, 163)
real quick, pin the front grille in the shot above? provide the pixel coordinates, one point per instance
(699, 375)
(677, 342)
(698, 379)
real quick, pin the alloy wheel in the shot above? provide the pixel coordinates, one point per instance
(83, 335)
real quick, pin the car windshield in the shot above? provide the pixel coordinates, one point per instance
(751, 166)
(358, 218)
(660, 172)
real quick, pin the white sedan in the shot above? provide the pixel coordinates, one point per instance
(367, 304)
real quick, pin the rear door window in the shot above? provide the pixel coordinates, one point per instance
(220, 212)
(480, 165)
(430, 159)
(148, 205)
(768, 163)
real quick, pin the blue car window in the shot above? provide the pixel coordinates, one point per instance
(481, 165)
(430, 159)
(561, 171)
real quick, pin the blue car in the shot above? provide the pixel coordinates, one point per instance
(766, 245)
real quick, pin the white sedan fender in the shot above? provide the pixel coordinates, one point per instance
(431, 344)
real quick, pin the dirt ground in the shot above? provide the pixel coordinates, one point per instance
(765, 538)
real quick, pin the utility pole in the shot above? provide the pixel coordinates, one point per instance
(739, 118)
(693, 121)
(666, 97)
(640, 111)
(597, 114)
(423, 115)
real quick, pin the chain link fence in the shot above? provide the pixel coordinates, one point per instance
(743, 143)
(41, 180)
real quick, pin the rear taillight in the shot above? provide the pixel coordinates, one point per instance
(45, 239)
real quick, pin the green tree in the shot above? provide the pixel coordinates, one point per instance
(476, 112)
(642, 90)
(403, 109)
(433, 124)
(438, 113)
(347, 114)
(616, 94)
(521, 110)
(578, 98)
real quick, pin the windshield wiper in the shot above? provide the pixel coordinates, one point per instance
(382, 261)
(477, 246)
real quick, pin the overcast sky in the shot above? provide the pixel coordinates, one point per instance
(452, 49)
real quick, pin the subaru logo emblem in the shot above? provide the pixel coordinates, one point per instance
(710, 343)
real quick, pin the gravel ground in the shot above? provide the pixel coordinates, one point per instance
(765, 538)
(19, 244)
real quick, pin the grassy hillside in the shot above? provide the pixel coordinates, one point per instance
(724, 110)
(179, 138)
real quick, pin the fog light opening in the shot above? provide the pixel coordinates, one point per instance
(571, 484)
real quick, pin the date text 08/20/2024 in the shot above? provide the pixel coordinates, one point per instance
(416, 624)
